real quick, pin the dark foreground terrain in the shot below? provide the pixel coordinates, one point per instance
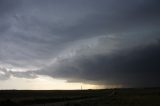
(110, 97)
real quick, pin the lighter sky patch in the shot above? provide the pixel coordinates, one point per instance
(44, 83)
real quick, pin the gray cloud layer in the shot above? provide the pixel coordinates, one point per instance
(99, 41)
(134, 67)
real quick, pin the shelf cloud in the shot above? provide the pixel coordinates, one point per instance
(95, 41)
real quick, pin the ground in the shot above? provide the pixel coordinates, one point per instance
(105, 97)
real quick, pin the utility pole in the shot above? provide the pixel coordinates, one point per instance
(81, 87)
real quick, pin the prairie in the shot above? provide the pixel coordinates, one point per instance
(104, 97)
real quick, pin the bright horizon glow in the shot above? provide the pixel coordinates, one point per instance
(43, 83)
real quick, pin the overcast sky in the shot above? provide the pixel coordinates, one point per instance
(102, 42)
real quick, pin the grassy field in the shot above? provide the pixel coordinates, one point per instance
(110, 97)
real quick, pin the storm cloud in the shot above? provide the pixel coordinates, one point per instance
(136, 67)
(96, 41)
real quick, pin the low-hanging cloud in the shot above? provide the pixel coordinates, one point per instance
(134, 67)
(96, 41)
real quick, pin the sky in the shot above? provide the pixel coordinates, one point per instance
(66, 44)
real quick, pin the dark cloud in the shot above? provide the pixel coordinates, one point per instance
(108, 41)
(136, 67)
(7, 6)
(115, 17)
